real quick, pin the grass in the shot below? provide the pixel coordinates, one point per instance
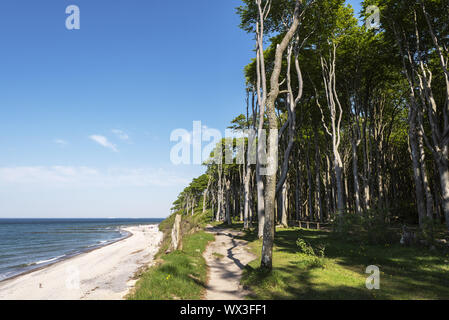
(405, 273)
(181, 275)
(189, 225)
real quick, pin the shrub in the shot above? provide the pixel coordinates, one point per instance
(309, 256)
(427, 230)
(369, 227)
(346, 223)
(304, 247)
(374, 223)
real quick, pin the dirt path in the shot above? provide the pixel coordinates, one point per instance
(226, 258)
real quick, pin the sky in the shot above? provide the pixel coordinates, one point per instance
(86, 115)
(356, 5)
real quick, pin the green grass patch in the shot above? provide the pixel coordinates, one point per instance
(336, 270)
(180, 275)
(189, 224)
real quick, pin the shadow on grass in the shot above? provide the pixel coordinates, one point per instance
(406, 273)
(291, 283)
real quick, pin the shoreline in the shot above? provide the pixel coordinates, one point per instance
(66, 258)
(101, 273)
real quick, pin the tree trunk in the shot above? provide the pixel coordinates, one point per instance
(298, 202)
(309, 183)
(338, 177)
(366, 169)
(270, 188)
(318, 201)
(228, 201)
(443, 169)
(261, 99)
(219, 195)
(414, 150)
(176, 243)
(284, 204)
(336, 114)
(426, 185)
(246, 206)
(355, 173)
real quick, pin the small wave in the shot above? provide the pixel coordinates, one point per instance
(49, 260)
(99, 244)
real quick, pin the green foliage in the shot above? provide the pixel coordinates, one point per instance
(427, 230)
(377, 229)
(189, 225)
(240, 123)
(309, 257)
(369, 227)
(304, 247)
(280, 11)
(191, 194)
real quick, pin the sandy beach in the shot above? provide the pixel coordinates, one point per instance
(102, 274)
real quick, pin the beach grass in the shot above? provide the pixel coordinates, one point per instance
(405, 272)
(182, 274)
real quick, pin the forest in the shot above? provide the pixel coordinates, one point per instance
(356, 116)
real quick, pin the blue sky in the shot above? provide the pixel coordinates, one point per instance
(86, 115)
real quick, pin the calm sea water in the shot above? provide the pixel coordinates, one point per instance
(26, 244)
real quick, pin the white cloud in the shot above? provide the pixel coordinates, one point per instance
(84, 177)
(121, 134)
(61, 142)
(103, 141)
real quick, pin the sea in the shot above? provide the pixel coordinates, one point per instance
(27, 244)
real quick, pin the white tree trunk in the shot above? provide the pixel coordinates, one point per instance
(270, 188)
(284, 203)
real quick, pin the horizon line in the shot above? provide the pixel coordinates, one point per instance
(78, 218)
